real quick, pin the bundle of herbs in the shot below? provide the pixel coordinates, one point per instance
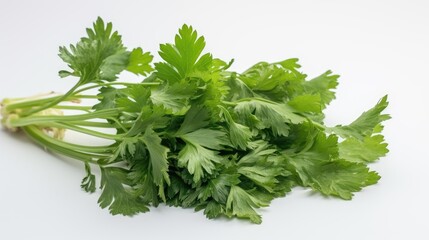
(194, 134)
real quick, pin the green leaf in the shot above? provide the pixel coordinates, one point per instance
(195, 156)
(149, 116)
(125, 147)
(307, 103)
(242, 204)
(113, 65)
(319, 168)
(139, 62)
(262, 166)
(175, 97)
(64, 73)
(239, 88)
(133, 98)
(277, 81)
(264, 77)
(209, 138)
(197, 117)
(140, 175)
(116, 195)
(323, 85)
(183, 57)
(213, 210)
(99, 56)
(167, 72)
(107, 98)
(218, 187)
(262, 175)
(158, 157)
(368, 150)
(341, 178)
(88, 183)
(198, 160)
(365, 124)
(291, 64)
(276, 116)
(239, 135)
(261, 150)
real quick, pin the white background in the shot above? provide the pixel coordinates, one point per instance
(377, 47)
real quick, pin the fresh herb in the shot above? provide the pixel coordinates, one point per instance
(194, 134)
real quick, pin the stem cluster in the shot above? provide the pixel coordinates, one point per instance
(41, 118)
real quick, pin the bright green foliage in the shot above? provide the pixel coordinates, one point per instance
(322, 86)
(139, 62)
(157, 156)
(197, 117)
(175, 97)
(365, 124)
(197, 155)
(115, 195)
(320, 168)
(107, 98)
(194, 134)
(198, 160)
(184, 57)
(368, 150)
(267, 115)
(88, 182)
(239, 135)
(99, 56)
(307, 103)
(218, 187)
(242, 203)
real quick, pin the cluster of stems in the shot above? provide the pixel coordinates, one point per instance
(41, 118)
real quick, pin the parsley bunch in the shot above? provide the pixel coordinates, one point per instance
(194, 134)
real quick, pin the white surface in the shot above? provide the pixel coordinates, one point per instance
(377, 47)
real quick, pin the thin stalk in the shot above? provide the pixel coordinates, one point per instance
(39, 138)
(119, 124)
(86, 96)
(92, 124)
(86, 131)
(131, 84)
(115, 83)
(318, 125)
(229, 103)
(53, 103)
(29, 103)
(71, 94)
(95, 150)
(58, 118)
(71, 107)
